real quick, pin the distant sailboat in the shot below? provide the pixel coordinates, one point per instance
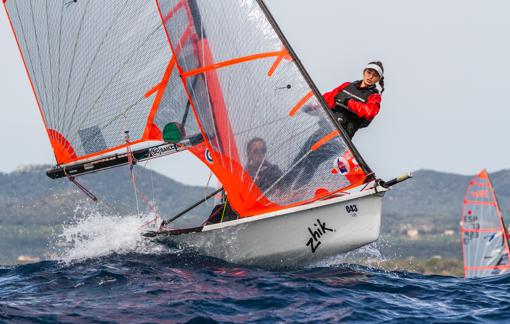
(484, 234)
(124, 81)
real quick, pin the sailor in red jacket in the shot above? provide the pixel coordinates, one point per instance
(356, 104)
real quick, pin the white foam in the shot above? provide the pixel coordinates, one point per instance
(97, 235)
(367, 254)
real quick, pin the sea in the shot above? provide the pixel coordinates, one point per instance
(102, 270)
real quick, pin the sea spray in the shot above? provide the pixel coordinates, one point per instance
(365, 255)
(97, 235)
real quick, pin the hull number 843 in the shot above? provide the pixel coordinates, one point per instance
(352, 210)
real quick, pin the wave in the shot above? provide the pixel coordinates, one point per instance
(183, 286)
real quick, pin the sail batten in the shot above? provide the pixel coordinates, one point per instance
(232, 62)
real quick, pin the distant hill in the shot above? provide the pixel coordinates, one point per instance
(436, 198)
(28, 196)
(32, 207)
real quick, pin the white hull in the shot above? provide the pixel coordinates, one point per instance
(295, 236)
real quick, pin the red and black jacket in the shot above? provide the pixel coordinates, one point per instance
(363, 105)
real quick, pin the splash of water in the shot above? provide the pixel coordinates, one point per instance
(98, 235)
(365, 255)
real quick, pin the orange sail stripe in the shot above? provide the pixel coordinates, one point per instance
(231, 62)
(325, 139)
(279, 59)
(185, 36)
(172, 12)
(153, 91)
(300, 104)
(485, 230)
(479, 184)
(474, 202)
(150, 133)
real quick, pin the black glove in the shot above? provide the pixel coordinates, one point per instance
(342, 103)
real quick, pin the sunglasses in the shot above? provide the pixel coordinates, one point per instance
(258, 151)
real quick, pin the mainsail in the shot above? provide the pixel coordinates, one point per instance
(484, 235)
(218, 74)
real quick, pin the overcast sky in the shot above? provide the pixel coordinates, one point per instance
(447, 69)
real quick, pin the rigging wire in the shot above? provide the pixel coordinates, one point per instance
(151, 203)
(131, 163)
(138, 193)
(149, 164)
(206, 190)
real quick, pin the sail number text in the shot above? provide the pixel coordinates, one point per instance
(352, 210)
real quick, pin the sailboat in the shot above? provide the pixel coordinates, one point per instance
(122, 81)
(484, 234)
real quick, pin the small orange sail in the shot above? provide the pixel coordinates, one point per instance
(484, 235)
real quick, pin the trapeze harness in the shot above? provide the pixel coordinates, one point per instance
(349, 121)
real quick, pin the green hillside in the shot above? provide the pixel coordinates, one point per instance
(420, 216)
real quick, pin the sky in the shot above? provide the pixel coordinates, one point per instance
(447, 67)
